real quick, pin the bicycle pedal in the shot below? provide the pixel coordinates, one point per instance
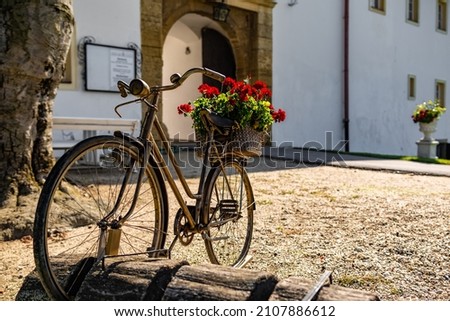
(213, 239)
(228, 206)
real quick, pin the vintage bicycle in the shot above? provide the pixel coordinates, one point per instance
(106, 197)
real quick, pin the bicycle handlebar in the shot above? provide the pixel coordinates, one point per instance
(140, 88)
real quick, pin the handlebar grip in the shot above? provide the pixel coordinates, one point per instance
(213, 74)
(123, 87)
(175, 78)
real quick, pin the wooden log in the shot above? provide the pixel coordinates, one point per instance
(209, 282)
(174, 280)
(295, 288)
(129, 281)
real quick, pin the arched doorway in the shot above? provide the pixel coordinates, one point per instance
(248, 29)
(217, 54)
(192, 41)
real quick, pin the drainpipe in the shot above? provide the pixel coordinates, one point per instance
(346, 119)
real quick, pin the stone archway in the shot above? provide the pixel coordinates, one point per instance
(193, 41)
(249, 29)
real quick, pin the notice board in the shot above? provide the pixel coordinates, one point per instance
(106, 65)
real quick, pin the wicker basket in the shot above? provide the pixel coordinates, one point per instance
(244, 142)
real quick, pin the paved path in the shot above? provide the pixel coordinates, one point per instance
(351, 161)
(285, 158)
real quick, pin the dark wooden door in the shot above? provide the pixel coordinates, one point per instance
(217, 55)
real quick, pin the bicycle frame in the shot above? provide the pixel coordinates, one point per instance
(151, 149)
(107, 198)
(193, 221)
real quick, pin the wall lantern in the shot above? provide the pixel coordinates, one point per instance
(220, 12)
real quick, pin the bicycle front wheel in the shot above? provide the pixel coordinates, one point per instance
(79, 215)
(228, 213)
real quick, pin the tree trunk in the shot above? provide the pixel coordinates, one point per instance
(34, 41)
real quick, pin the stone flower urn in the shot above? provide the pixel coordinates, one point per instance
(427, 129)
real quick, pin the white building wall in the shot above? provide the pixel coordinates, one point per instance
(110, 22)
(384, 49)
(375, 81)
(182, 51)
(307, 72)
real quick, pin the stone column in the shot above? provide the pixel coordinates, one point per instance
(427, 149)
(152, 42)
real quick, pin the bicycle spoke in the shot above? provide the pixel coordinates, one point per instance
(230, 214)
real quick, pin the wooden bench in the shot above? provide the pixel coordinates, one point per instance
(90, 126)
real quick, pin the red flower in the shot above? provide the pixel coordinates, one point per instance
(184, 109)
(247, 104)
(208, 91)
(264, 94)
(238, 85)
(249, 91)
(279, 116)
(229, 83)
(244, 90)
(258, 85)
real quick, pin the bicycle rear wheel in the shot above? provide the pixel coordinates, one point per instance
(228, 213)
(76, 222)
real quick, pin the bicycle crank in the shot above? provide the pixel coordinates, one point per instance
(181, 227)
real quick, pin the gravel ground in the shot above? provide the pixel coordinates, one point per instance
(382, 232)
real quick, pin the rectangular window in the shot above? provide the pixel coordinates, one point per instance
(442, 15)
(411, 87)
(377, 5)
(412, 10)
(440, 92)
(69, 78)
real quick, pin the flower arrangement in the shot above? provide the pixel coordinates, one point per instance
(427, 111)
(248, 105)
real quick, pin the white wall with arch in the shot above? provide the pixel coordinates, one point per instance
(183, 50)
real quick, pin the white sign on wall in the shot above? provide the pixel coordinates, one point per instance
(106, 65)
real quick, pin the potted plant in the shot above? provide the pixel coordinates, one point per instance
(248, 105)
(427, 114)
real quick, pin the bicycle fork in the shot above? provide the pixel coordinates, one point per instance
(110, 230)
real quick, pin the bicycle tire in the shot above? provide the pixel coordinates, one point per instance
(78, 193)
(228, 213)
